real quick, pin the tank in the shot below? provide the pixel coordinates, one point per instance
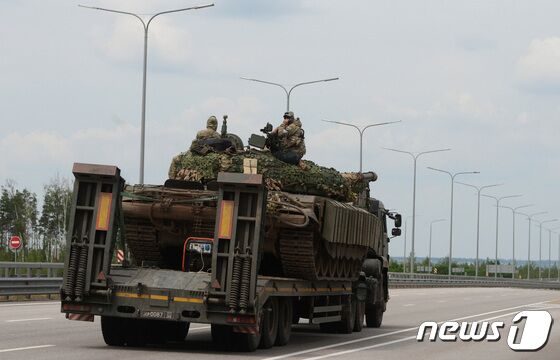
(319, 224)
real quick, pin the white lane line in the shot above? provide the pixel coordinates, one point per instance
(26, 348)
(406, 305)
(32, 304)
(390, 342)
(389, 333)
(22, 320)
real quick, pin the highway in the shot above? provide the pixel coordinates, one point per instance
(37, 330)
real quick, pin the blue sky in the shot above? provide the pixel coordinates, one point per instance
(480, 77)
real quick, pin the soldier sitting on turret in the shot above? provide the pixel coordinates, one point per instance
(291, 140)
(210, 140)
(210, 131)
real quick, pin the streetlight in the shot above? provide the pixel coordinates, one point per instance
(540, 243)
(452, 176)
(361, 131)
(498, 199)
(289, 91)
(479, 191)
(146, 25)
(415, 157)
(430, 248)
(530, 218)
(550, 249)
(405, 232)
(514, 212)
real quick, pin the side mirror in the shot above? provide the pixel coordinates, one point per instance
(398, 220)
(396, 232)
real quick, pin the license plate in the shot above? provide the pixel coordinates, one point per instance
(168, 315)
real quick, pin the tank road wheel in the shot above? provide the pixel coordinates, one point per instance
(269, 323)
(285, 318)
(374, 315)
(360, 312)
(222, 336)
(113, 330)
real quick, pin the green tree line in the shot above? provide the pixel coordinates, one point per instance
(42, 231)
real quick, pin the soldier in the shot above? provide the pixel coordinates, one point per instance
(210, 131)
(291, 140)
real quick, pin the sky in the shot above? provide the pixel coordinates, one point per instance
(479, 77)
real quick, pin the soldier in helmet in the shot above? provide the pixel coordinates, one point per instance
(291, 140)
(210, 131)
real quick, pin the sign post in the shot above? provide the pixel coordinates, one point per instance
(14, 245)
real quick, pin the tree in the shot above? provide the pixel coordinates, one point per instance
(18, 215)
(53, 223)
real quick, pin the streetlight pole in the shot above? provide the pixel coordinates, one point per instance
(529, 219)
(430, 248)
(498, 199)
(415, 157)
(540, 243)
(452, 176)
(361, 132)
(550, 250)
(479, 191)
(289, 91)
(146, 25)
(514, 212)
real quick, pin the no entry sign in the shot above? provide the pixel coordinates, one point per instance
(15, 243)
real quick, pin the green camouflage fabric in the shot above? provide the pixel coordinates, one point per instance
(308, 178)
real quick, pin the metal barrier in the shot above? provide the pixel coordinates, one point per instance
(30, 269)
(407, 280)
(45, 278)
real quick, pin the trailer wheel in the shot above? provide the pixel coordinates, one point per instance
(285, 318)
(360, 312)
(136, 332)
(346, 323)
(177, 331)
(374, 315)
(222, 336)
(113, 330)
(269, 323)
(246, 342)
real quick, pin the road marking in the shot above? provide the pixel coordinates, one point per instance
(21, 320)
(406, 305)
(390, 342)
(32, 304)
(26, 348)
(389, 333)
(441, 301)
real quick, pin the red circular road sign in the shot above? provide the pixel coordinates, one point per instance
(15, 242)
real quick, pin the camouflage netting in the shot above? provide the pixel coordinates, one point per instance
(309, 178)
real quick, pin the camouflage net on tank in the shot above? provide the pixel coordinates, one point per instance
(308, 178)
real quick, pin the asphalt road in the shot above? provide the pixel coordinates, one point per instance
(39, 331)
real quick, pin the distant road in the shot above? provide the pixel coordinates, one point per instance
(37, 330)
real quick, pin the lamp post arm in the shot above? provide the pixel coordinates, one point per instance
(378, 124)
(178, 10)
(267, 82)
(430, 151)
(116, 11)
(309, 82)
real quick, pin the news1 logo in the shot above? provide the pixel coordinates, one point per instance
(534, 336)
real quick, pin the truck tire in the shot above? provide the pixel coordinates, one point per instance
(222, 336)
(285, 318)
(346, 323)
(269, 323)
(360, 312)
(246, 342)
(374, 315)
(137, 332)
(177, 331)
(113, 330)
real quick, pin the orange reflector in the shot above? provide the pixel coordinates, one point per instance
(226, 220)
(241, 319)
(103, 211)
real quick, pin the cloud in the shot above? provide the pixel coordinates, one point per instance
(538, 70)
(262, 10)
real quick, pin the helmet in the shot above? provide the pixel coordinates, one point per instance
(212, 122)
(289, 115)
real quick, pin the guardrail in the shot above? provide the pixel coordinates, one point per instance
(431, 280)
(44, 278)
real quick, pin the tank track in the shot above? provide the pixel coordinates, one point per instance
(141, 237)
(301, 257)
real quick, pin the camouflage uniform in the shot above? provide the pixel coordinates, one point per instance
(292, 141)
(210, 131)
